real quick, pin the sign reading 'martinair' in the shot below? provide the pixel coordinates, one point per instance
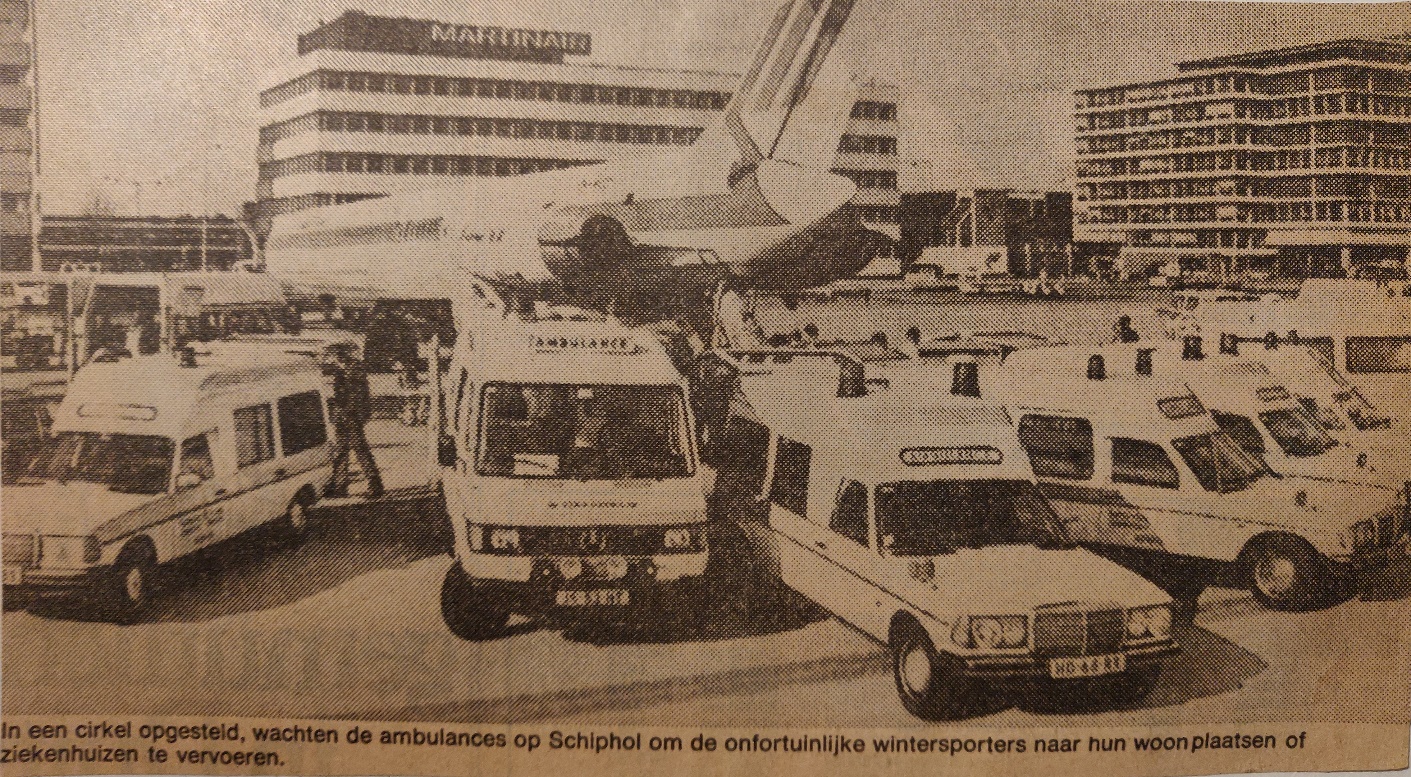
(354, 31)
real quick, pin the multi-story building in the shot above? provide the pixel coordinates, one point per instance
(17, 136)
(143, 244)
(375, 105)
(1294, 161)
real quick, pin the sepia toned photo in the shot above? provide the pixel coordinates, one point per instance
(426, 388)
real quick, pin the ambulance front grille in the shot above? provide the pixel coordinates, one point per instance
(1077, 632)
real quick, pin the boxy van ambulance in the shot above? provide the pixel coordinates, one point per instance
(153, 457)
(919, 523)
(568, 459)
(1140, 471)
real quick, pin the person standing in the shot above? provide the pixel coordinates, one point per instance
(349, 409)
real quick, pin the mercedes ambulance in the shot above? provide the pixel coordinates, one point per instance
(151, 458)
(1139, 470)
(567, 455)
(919, 522)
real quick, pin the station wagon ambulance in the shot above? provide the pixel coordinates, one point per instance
(1139, 471)
(921, 525)
(568, 459)
(153, 457)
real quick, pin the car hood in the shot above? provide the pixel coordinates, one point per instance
(1004, 579)
(1327, 503)
(74, 509)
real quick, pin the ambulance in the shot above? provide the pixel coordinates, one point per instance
(920, 523)
(1139, 470)
(151, 458)
(566, 450)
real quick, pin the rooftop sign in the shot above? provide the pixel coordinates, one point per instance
(355, 31)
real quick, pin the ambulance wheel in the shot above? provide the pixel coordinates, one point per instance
(127, 587)
(467, 611)
(1286, 573)
(930, 685)
(294, 525)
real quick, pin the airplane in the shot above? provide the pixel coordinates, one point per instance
(750, 206)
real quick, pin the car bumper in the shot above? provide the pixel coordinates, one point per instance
(1031, 667)
(37, 580)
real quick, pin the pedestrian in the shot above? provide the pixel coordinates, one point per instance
(349, 409)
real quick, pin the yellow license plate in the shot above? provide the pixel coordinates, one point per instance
(13, 576)
(1086, 666)
(598, 597)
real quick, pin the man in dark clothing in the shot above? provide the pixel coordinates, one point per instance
(349, 409)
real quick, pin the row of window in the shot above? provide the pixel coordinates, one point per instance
(868, 144)
(276, 206)
(1292, 186)
(1338, 78)
(13, 74)
(583, 131)
(498, 89)
(1262, 213)
(1292, 107)
(876, 214)
(871, 179)
(875, 111)
(14, 117)
(411, 164)
(1340, 132)
(1262, 161)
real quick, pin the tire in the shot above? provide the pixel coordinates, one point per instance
(294, 524)
(1286, 573)
(929, 684)
(467, 611)
(127, 586)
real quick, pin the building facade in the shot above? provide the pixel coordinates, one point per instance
(1293, 161)
(17, 136)
(143, 244)
(375, 105)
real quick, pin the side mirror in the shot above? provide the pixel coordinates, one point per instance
(446, 450)
(188, 480)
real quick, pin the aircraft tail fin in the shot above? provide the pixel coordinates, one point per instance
(767, 118)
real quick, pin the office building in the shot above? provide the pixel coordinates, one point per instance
(376, 105)
(17, 136)
(1293, 161)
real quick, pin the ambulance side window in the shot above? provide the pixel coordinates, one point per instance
(850, 514)
(789, 489)
(1142, 463)
(1241, 430)
(301, 424)
(254, 435)
(1057, 446)
(197, 465)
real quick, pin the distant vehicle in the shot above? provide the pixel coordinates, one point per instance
(1140, 471)
(975, 270)
(919, 523)
(567, 453)
(154, 457)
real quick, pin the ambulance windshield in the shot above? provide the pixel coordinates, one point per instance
(1219, 463)
(1296, 433)
(125, 463)
(599, 432)
(926, 518)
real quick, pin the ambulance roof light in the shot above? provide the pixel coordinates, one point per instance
(1192, 348)
(1097, 367)
(1144, 361)
(965, 379)
(1230, 344)
(186, 357)
(1271, 341)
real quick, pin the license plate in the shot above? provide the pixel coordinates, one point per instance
(1086, 666)
(13, 576)
(598, 597)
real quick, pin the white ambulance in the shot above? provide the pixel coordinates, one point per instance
(567, 455)
(1140, 471)
(919, 522)
(153, 457)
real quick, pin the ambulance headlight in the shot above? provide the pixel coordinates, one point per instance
(678, 538)
(1149, 622)
(991, 632)
(569, 567)
(504, 539)
(69, 551)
